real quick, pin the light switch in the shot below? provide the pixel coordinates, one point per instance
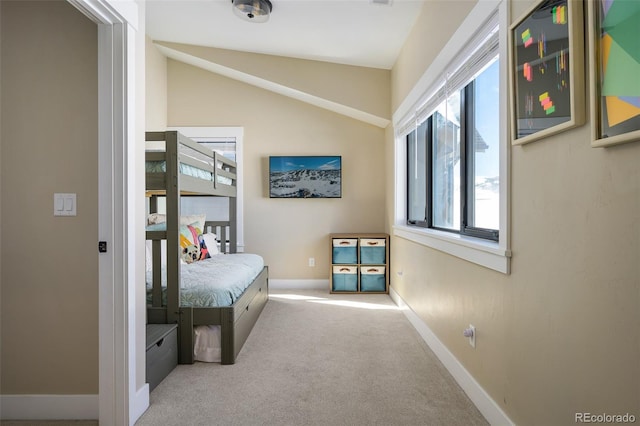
(64, 204)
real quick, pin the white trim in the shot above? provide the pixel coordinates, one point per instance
(430, 81)
(139, 404)
(114, 392)
(49, 407)
(481, 252)
(485, 404)
(493, 255)
(133, 184)
(274, 87)
(505, 146)
(289, 284)
(109, 11)
(117, 23)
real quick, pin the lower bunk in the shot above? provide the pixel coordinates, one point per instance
(235, 321)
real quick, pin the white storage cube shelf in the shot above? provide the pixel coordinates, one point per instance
(359, 263)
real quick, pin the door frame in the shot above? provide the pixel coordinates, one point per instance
(120, 402)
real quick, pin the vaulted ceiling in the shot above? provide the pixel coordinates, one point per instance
(342, 33)
(354, 32)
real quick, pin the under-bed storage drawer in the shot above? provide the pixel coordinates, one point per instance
(162, 352)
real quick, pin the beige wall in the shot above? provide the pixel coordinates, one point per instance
(286, 232)
(437, 22)
(363, 89)
(559, 335)
(155, 88)
(48, 143)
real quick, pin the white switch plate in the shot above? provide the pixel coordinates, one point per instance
(64, 204)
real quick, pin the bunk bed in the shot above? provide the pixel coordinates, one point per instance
(180, 167)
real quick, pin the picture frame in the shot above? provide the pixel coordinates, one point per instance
(614, 61)
(305, 176)
(546, 70)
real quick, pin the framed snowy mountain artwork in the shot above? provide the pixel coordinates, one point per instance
(305, 176)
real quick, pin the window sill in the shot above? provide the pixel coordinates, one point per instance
(481, 252)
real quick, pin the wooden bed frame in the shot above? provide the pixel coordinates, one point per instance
(237, 320)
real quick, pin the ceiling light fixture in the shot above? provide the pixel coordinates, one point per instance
(252, 10)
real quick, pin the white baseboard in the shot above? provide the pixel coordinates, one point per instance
(485, 404)
(298, 284)
(49, 407)
(140, 404)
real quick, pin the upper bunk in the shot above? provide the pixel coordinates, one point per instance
(192, 168)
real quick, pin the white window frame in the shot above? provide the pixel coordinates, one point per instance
(225, 132)
(490, 254)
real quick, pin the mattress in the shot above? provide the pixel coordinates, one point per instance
(214, 282)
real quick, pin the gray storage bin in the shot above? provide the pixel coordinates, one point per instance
(344, 278)
(162, 352)
(345, 250)
(372, 251)
(372, 278)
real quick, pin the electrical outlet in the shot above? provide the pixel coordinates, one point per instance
(312, 262)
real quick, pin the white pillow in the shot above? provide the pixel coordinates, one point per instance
(154, 218)
(212, 244)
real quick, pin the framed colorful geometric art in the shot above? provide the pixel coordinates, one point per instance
(614, 59)
(547, 70)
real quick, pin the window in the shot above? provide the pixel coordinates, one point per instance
(483, 158)
(453, 159)
(416, 176)
(452, 147)
(228, 142)
(444, 143)
(223, 145)
(215, 208)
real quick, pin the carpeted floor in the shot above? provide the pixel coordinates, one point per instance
(316, 358)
